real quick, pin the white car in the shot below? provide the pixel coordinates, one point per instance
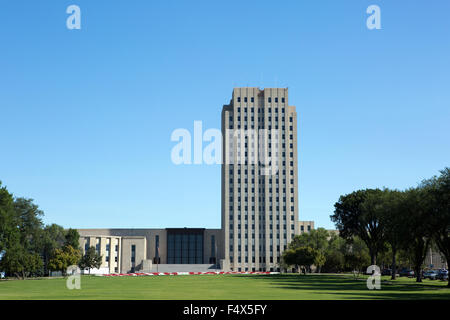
(430, 274)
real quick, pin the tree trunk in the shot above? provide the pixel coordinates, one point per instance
(373, 258)
(394, 266)
(418, 274)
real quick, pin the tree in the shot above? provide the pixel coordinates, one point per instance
(63, 258)
(319, 260)
(24, 242)
(53, 237)
(438, 190)
(302, 257)
(357, 257)
(91, 259)
(335, 254)
(19, 262)
(316, 239)
(7, 224)
(72, 238)
(29, 222)
(20, 227)
(417, 239)
(356, 215)
(393, 215)
(404, 259)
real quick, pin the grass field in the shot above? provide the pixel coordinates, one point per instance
(226, 287)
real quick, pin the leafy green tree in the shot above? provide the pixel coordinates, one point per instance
(316, 239)
(335, 254)
(356, 214)
(393, 215)
(302, 257)
(20, 230)
(8, 228)
(63, 258)
(29, 222)
(91, 259)
(418, 239)
(319, 260)
(53, 237)
(384, 258)
(20, 262)
(357, 257)
(26, 246)
(438, 190)
(404, 259)
(72, 238)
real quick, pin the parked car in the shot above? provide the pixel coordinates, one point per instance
(442, 274)
(406, 273)
(430, 274)
(386, 272)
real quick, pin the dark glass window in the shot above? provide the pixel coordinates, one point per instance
(185, 246)
(157, 258)
(133, 253)
(213, 249)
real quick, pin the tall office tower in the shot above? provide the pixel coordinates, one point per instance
(259, 178)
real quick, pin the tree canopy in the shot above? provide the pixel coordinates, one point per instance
(26, 245)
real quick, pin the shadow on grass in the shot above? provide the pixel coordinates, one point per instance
(345, 285)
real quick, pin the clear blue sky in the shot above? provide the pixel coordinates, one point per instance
(86, 115)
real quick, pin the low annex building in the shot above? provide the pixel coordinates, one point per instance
(151, 250)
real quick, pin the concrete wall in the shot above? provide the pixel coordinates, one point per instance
(140, 244)
(101, 241)
(219, 245)
(304, 226)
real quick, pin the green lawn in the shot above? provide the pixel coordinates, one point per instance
(289, 286)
